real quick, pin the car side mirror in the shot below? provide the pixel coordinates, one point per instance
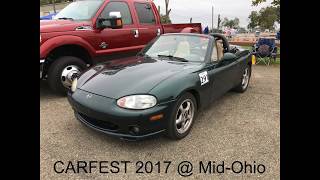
(227, 57)
(114, 21)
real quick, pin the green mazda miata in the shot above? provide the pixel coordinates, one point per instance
(160, 90)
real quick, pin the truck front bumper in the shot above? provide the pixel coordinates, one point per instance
(41, 67)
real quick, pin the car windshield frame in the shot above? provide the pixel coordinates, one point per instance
(171, 57)
(74, 8)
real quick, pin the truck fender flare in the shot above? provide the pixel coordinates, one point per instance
(58, 41)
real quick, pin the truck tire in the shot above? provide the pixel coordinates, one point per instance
(61, 71)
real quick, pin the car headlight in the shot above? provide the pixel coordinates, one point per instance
(137, 102)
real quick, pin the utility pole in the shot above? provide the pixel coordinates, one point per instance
(212, 18)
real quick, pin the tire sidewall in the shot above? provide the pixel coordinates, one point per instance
(249, 71)
(172, 131)
(239, 88)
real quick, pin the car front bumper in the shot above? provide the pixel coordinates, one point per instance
(102, 114)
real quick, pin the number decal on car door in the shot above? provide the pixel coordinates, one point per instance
(204, 78)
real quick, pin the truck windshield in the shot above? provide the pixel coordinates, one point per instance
(179, 47)
(80, 10)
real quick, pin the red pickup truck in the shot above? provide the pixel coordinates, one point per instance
(87, 32)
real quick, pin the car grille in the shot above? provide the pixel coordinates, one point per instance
(99, 123)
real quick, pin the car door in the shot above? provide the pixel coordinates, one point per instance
(222, 75)
(121, 42)
(149, 27)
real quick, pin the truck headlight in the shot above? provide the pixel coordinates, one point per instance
(138, 102)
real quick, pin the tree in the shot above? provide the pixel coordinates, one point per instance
(45, 2)
(265, 18)
(275, 3)
(164, 18)
(253, 20)
(268, 16)
(219, 21)
(167, 9)
(232, 23)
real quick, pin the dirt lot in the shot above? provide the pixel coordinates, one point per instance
(237, 127)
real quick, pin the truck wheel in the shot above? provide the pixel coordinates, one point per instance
(242, 87)
(61, 72)
(182, 117)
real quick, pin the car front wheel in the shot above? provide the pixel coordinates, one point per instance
(182, 117)
(245, 78)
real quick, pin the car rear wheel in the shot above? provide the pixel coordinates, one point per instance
(182, 117)
(62, 71)
(242, 87)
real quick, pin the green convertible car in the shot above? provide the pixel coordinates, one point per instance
(162, 88)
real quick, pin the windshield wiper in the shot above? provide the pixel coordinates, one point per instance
(66, 18)
(174, 57)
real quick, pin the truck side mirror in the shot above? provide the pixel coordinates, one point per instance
(114, 21)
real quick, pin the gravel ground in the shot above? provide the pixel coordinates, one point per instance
(236, 127)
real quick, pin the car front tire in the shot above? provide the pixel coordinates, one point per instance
(245, 79)
(61, 71)
(182, 117)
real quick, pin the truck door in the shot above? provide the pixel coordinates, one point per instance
(149, 25)
(118, 42)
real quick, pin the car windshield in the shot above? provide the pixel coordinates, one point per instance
(179, 47)
(79, 10)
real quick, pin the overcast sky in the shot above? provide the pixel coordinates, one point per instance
(200, 10)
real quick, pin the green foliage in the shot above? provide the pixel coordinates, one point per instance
(257, 2)
(254, 19)
(268, 16)
(242, 30)
(265, 18)
(232, 23)
(165, 19)
(275, 4)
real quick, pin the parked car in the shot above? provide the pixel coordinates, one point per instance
(162, 88)
(91, 31)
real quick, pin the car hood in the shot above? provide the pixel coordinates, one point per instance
(135, 75)
(47, 26)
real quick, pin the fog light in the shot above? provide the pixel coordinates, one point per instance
(134, 129)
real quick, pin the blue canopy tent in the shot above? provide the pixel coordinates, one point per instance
(48, 17)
